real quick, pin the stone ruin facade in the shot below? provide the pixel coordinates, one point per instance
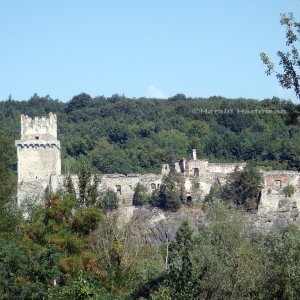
(39, 171)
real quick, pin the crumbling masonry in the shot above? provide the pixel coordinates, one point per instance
(39, 171)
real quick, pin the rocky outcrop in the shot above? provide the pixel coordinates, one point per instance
(158, 227)
(287, 213)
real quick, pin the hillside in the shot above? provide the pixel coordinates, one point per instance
(123, 135)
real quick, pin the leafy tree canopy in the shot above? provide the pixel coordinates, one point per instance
(289, 78)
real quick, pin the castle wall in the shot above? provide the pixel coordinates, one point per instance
(225, 168)
(122, 185)
(197, 187)
(32, 191)
(199, 175)
(272, 193)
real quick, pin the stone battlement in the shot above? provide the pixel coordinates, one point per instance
(39, 128)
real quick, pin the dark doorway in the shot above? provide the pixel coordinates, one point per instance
(189, 199)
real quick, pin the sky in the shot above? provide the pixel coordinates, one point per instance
(140, 48)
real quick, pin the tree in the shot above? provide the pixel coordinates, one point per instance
(69, 185)
(227, 256)
(175, 142)
(88, 184)
(243, 187)
(109, 200)
(7, 178)
(84, 177)
(49, 249)
(118, 133)
(290, 60)
(180, 278)
(140, 196)
(171, 192)
(178, 97)
(79, 289)
(282, 260)
(215, 193)
(110, 158)
(78, 102)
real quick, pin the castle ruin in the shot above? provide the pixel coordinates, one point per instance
(39, 171)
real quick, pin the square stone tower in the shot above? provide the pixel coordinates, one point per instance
(38, 153)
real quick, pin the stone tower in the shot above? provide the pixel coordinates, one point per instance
(38, 153)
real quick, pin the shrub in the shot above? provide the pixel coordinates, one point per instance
(86, 220)
(140, 196)
(109, 200)
(289, 190)
(170, 194)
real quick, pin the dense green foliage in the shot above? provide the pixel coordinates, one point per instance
(65, 251)
(7, 165)
(122, 135)
(109, 200)
(140, 196)
(243, 187)
(170, 194)
(228, 259)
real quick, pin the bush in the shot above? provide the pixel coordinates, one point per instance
(289, 190)
(243, 187)
(86, 220)
(170, 194)
(140, 196)
(109, 200)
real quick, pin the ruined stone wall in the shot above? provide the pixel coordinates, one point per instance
(124, 186)
(274, 183)
(196, 187)
(224, 168)
(199, 176)
(32, 191)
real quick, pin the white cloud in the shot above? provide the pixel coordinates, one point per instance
(153, 92)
